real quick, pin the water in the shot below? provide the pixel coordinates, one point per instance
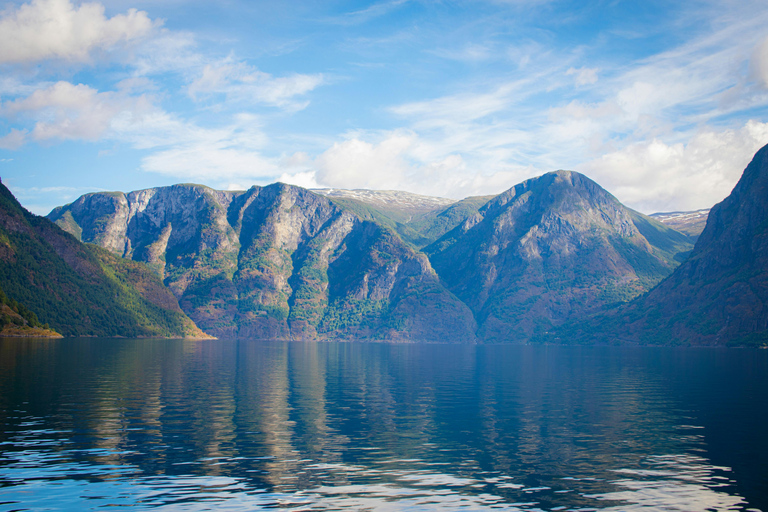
(89, 424)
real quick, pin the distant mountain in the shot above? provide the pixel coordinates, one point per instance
(79, 290)
(689, 223)
(549, 251)
(274, 262)
(719, 295)
(394, 200)
(419, 220)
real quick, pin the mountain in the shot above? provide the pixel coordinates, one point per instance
(689, 223)
(419, 220)
(274, 262)
(719, 295)
(80, 290)
(548, 251)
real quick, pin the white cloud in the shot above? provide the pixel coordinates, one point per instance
(584, 76)
(304, 179)
(219, 156)
(13, 140)
(67, 111)
(57, 29)
(241, 82)
(355, 163)
(461, 107)
(212, 162)
(654, 176)
(401, 160)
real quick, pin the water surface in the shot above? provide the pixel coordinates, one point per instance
(219, 425)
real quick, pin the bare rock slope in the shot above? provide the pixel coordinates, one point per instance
(274, 262)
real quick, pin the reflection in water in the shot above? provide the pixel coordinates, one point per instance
(245, 425)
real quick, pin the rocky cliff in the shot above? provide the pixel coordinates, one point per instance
(274, 262)
(550, 250)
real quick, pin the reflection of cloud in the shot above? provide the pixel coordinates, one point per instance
(45, 29)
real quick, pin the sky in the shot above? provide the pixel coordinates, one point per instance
(661, 103)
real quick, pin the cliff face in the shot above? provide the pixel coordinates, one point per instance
(720, 294)
(274, 262)
(79, 289)
(548, 251)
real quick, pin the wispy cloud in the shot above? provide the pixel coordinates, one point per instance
(371, 12)
(242, 83)
(584, 76)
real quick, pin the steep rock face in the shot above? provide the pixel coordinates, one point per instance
(547, 251)
(80, 289)
(273, 262)
(720, 294)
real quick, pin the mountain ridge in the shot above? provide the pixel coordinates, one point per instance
(267, 262)
(284, 262)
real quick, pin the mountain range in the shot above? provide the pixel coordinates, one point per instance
(555, 258)
(283, 262)
(274, 262)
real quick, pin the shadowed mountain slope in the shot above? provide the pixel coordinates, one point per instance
(719, 295)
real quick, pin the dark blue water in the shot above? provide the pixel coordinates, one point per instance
(183, 425)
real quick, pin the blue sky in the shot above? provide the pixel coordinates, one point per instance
(662, 103)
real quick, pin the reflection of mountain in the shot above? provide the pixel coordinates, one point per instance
(371, 419)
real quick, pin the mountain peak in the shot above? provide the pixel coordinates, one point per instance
(546, 251)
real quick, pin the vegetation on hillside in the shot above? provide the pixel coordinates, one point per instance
(80, 289)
